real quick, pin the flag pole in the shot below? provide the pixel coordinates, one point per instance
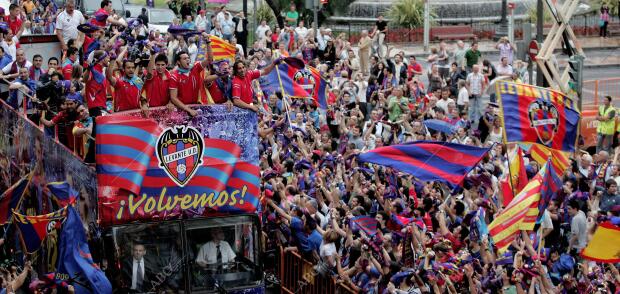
(21, 197)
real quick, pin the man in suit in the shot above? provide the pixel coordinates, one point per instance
(137, 271)
(241, 31)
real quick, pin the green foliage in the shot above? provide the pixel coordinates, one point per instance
(547, 17)
(407, 13)
(265, 13)
(612, 4)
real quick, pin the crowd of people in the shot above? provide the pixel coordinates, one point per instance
(313, 183)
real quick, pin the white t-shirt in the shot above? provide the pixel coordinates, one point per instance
(260, 31)
(443, 104)
(193, 52)
(302, 32)
(463, 97)
(546, 222)
(68, 24)
(327, 249)
(504, 70)
(11, 50)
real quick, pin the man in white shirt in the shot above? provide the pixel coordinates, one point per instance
(476, 83)
(262, 29)
(201, 21)
(217, 253)
(445, 99)
(578, 228)
(504, 69)
(301, 30)
(11, 70)
(67, 22)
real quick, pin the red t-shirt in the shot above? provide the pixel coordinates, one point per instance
(87, 41)
(242, 87)
(67, 71)
(188, 84)
(126, 95)
(156, 88)
(14, 25)
(413, 67)
(95, 91)
(100, 13)
(216, 94)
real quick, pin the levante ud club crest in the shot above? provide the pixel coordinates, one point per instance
(543, 116)
(305, 79)
(179, 151)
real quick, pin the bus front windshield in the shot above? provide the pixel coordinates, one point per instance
(199, 255)
(224, 253)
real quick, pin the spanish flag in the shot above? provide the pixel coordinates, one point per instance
(520, 214)
(604, 245)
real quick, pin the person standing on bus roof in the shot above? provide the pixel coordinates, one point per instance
(155, 90)
(186, 84)
(103, 17)
(96, 83)
(67, 23)
(126, 88)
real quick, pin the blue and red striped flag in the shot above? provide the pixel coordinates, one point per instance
(245, 179)
(75, 260)
(366, 223)
(34, 228)
(295, 82)
(124, 149)
(397, 222)
(12, 197)
(62, 193)
(429, 160)
(538, 115)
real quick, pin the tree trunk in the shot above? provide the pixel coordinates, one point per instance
(277, 12)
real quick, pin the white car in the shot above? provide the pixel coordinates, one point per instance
(160, 19)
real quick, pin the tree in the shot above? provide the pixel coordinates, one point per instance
(281, 6)
(407, 13)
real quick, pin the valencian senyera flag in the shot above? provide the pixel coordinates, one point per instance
(519, 215)
(34, 228)
(604, 245)
(429, 160)
(538, 115)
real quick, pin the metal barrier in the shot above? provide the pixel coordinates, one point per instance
(297, 275)
(594, 91)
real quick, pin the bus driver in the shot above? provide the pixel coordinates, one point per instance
(217, 253)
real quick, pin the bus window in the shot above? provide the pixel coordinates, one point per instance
(147, 257)
(225, 253)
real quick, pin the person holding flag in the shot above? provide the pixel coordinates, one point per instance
(242, 91)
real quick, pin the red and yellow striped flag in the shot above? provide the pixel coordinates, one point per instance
(520, 214)
(604, 245)
(222, 49)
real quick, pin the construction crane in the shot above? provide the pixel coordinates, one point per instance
(569, 81)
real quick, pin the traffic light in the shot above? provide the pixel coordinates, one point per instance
(575, 73)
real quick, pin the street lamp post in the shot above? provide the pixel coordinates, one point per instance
(502, 31)
(427, 24)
